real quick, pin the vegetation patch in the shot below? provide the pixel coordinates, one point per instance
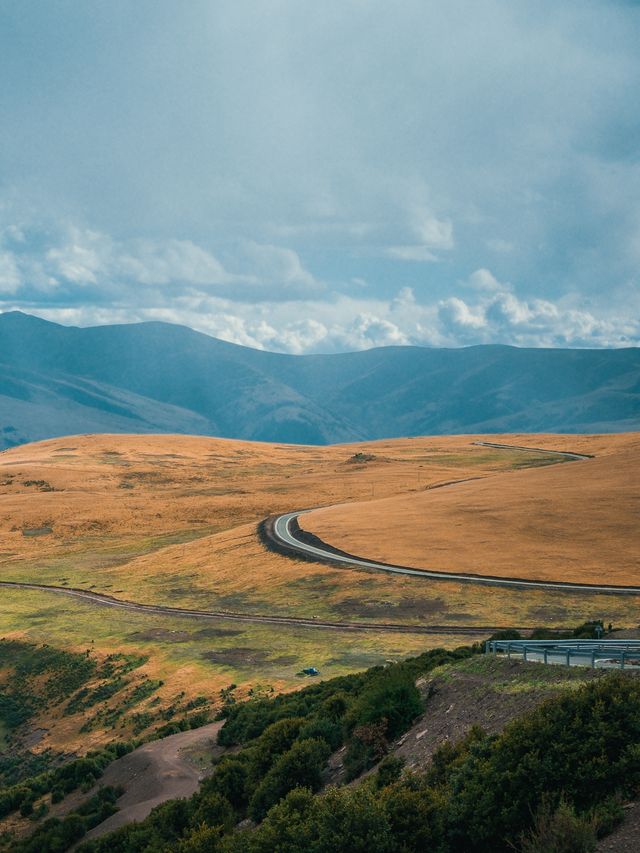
(483, 794)
(238, 656)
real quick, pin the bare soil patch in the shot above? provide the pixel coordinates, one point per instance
(626, 838)
(154, 773)
(488, 692)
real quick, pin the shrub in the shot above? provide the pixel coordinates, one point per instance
(230, 781)
(560, 831)
(367, 746)
(300, 767)
(506, 634)
(391, 696)
(389, 771)
(275, 739)
(327, 729)
(343, 819)
(416, 814)
(213, 810)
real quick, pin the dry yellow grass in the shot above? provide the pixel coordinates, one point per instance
(571, 522)
(92, 490)
(172, 520)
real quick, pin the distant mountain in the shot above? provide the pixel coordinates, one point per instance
(157, 377)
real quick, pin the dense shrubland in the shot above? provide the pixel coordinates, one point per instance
(551, 781)
(81, 773)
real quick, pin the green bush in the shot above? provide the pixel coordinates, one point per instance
(391, 696)
(560, 831)
(275, 739)
(299, 767)
(322, 727)
(230, 780)
(214, 810)
(389, 770)
(342, 819)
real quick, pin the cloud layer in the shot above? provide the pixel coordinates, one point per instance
(323, 177)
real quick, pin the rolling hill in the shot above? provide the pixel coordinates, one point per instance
(157, 377)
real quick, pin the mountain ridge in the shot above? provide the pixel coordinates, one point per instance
(160, 377)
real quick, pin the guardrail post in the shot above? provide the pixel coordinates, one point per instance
(568, 657)
(524, 653)
(545, 654)
(509, 651)
(622, 657)
(593, 659)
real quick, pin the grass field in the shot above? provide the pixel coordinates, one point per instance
(574, 522)
(199, 657)
(172, 520)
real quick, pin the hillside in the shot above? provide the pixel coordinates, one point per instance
(157, 377)
(574, 522)
(172, 521)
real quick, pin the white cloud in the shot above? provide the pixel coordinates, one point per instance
(346, 323)
(274, 302)
(484, 280)
(433, 233)
(155, 262)
(455, 313)
(88, 257)
(405, 297)
(10, 278)
(411, 253)
(77, 257)
(279, 265)
(503, 318)
(82, 258)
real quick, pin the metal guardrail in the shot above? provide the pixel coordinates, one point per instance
(592, 653)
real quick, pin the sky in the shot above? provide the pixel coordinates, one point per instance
(324, 177)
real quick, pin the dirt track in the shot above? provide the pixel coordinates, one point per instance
(110, 601)
(154, 773)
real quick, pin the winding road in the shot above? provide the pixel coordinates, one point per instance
(285, 532)
(281, 533)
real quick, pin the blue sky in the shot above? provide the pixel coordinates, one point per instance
(328, 176)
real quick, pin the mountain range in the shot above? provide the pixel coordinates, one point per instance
(159, 377)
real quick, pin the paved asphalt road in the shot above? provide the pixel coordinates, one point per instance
(283, 534)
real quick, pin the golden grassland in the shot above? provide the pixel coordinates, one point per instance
(172, 520)
(574, 522)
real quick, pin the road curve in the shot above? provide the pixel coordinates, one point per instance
(165, 610)
(566, 453)
(291, 540)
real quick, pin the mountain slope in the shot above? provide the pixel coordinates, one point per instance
(158, 377)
